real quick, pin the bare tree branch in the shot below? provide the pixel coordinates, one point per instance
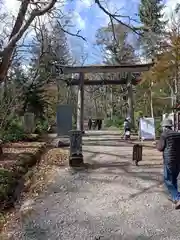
(20, 27)
(35, 13)
(55, 15)
(74, 34)
(117, 16)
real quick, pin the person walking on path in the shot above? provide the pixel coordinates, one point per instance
(169, 144)
(127, 126)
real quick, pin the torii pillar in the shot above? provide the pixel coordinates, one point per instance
(76, 155)
(130, 99)
(80, 104)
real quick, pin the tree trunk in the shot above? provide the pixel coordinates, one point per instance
(111, 102)
(6, 58)
(58, 92)
(151, 103)
(20, 27)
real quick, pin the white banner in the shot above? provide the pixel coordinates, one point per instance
(147, 129)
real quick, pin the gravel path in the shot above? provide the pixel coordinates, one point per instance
(113, 200)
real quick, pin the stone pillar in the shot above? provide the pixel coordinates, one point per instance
(75, 155)
(80, 104)
(29, 122)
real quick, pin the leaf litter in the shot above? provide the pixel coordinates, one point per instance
(37, 181)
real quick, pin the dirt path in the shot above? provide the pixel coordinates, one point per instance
(112, 200)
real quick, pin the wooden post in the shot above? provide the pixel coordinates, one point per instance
(137, 153)
(111, 102)
(130, 99)
(80, 104)
(76, 156)
(151, 101)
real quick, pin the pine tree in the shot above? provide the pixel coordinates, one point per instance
(49, 46)
(60, 51)
(151, 14)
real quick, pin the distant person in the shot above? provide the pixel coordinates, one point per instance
(128, 119)
(169, 144)
(94, 123)
(90, 124)
(99, 124)
(101, 121)
(127, 126)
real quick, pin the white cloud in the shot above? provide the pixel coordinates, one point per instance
(170, 6)
(82, 4)
(169, 13)
(77, 20)
(102, 18)
(11, 6)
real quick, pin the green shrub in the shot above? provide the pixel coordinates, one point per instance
(41, 126)
(138, 114)
(108, 122)
(158, 127)
(115, 122)
(18, 135)
(7, 181)
(13, 132)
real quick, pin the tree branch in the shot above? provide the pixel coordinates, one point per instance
(70, 33)
(74, 34)
(46, 9)
(35, 13)
(116, 17)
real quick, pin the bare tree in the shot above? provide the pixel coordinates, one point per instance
(23, 20)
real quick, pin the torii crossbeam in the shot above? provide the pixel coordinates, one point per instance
(104, 68)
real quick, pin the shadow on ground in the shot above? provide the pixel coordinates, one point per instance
(116, 142)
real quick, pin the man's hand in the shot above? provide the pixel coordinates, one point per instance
(160, 145)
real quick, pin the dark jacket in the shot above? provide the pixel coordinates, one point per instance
(169, 144)
(127, 125)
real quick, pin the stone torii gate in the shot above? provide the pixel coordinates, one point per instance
(81, 82)
(76, 155)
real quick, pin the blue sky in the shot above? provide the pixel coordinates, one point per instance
(87, 17)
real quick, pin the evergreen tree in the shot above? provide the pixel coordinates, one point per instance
(60, 50)
(151, 14)
(49, 46)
